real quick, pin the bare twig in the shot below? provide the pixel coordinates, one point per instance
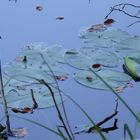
(35, 104)
(97, 127)
(114, 127)
(133, 23)
(122, 8)
(102, 122)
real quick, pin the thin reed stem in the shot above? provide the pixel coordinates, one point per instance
(5, 104)
(64, 110)
(113, 91)
(57, 108)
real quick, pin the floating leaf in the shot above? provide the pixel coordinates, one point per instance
(104, 58)
(39, 8)
(123, 52)
(97, 28)
(51, 54)
(23, 75)
(115, 79)
(22, 100)
(105, 38)
(109, 21)
(18, 94)
(60, 18)
(56, 52)
(22, 110)
(132, 65)
(96, 67)
(77, 59)
(129, 47)
(87, 57)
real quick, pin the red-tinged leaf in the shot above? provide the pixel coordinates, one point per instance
(39, 8)
(60, 18)
(22, 110)
(26, 110)
(15, 110)
(109, 21)
(96, 65)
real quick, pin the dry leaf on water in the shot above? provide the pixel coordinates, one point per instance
(22, 110)
(109, 21)
(97, 28)
(39, 8)
(60, 18)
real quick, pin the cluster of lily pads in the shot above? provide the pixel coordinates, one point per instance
(22, 75)
(125, 46)
(104, 49)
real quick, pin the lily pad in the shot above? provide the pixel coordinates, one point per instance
(98, 56)
(77, 59)
(86, 57)
(106, 38)
(123, 52)
(132, 65)
(24, 73)
(52, 54)
(19, 98)
(117, 80)
(130, 43)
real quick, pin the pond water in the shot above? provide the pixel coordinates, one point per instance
(22, 24)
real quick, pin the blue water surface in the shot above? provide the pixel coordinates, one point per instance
(21, 23)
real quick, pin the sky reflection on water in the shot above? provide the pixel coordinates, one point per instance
(21, 24)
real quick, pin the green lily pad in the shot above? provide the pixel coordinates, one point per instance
(86, 57)
(130, 43)
(117, 80)
(22, 99)
(132, 65)
(24, 73)
(123, 52)
(105, 38)
(51, 54)
(77, 59)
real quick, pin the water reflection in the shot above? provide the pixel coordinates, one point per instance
(22, 24)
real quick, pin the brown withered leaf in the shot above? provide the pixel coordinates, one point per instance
(39, 8)
(22, 110)
(19, 132)
(109, 21)
(60, 18)
(97, 28)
